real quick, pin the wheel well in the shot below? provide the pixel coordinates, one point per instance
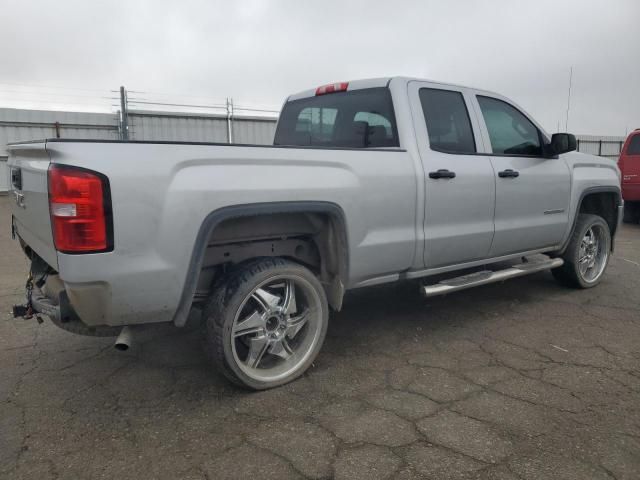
(604, 204)
(316, 240)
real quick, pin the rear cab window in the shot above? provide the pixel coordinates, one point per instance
(351, 119)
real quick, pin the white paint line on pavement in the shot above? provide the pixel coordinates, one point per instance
(631, 261)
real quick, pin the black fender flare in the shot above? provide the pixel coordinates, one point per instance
(213, 219)
(583, 194)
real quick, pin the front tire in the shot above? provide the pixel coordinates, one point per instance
(587, 255)
(266, 324)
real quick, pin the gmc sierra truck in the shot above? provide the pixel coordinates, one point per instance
(367, 182)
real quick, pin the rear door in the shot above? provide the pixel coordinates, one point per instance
(630, 167)
(532, 192)
(459, 183)
(28, 166)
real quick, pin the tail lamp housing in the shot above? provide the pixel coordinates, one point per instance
(80, 208)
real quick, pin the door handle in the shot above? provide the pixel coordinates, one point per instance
(508, 173)
(442, 173)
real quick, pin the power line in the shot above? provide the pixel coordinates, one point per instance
(55, 94)
(54, 87)
(61, 99)
(178, 95)
(255, 109)
(201, 97)
(168, 101)
(176, 104)
(52, 101)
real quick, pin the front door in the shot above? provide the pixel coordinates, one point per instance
(459, 185)
(532, 192)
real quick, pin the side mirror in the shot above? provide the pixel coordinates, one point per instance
(561, 143)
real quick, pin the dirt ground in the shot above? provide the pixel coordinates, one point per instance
(521, 380)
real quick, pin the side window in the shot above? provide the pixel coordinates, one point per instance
(634, 145)
(510, 132)
(447, 119)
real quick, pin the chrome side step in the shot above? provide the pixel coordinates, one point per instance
(488, 276)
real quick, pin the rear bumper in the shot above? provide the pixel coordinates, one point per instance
(121, 297)
(55, 304)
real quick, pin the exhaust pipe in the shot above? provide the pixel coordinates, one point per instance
(124, 340)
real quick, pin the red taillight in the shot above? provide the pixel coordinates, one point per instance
(332, 88)
(79, 202)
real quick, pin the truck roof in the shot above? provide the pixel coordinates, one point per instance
(378, 82)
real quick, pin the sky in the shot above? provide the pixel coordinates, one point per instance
(73, 54)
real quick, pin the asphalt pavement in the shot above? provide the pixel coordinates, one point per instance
(521, 380)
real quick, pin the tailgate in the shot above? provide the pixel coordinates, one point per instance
(28, 165)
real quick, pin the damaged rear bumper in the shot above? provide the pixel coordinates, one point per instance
(52, 301)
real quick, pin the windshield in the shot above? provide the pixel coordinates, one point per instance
(634, 145)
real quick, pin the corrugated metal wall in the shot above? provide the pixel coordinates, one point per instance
(177, 128)
(21, 125)
(185, 127)
(18, 125)
(257, 131)
(607, 146)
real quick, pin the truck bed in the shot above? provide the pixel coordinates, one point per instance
(162, 192)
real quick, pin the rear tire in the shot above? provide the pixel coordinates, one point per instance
(587, 255)
(266, 324)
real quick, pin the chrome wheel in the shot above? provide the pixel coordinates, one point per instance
(593, 253)
(277, 328)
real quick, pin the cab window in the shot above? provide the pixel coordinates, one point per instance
(510, 132)
(447, 120)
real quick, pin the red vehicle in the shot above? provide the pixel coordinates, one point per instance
(629, 163)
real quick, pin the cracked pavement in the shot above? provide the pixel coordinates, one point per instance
(521, 380)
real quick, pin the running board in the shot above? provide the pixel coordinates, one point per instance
(487, 276)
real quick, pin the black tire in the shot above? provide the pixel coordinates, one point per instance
(227, 302)
(631, 212)
(569, 274)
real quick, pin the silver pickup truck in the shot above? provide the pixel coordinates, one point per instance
(368, 182)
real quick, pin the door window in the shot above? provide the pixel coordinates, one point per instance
(510, 132)
(447, 119)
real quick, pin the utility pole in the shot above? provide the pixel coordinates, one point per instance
(229, 120)
(566, 123)
(124, 114)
